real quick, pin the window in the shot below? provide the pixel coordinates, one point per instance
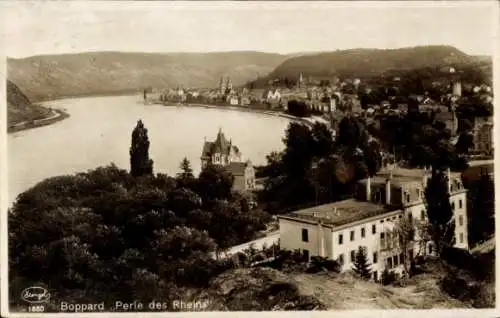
(407, 197)
(341, 239)
(362, 232)
(401, 258)
(460, 220)
(400, 216)
(381, 221)
(375, 258)
(341, 259)
(460, 203)
(352, 236)
(418, 193)
(461, 240)
(410, 217)
(374, 228)
(430, 248)
(395, 260)
(422, 215)
(453, 206)
(375, 276)
(353, 256)
(305, 235)
(389, 262)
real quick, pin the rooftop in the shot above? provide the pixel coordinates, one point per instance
(237, 168)
(341, 212)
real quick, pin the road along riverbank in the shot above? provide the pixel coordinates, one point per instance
(56, 116)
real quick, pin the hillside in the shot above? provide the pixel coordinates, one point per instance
(19, 107)
(51, 76)
(366, 63)
(268, 289)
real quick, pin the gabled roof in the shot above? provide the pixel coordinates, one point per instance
(237, 168)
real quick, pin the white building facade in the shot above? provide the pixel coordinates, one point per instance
(338, 229)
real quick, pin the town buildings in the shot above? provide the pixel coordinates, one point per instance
(222, 152)
(370, 219)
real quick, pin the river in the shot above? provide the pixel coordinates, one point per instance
(98, 132)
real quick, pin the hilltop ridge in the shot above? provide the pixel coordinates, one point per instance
(367, 63)
(99, 73)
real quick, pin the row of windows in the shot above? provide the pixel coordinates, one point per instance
(353, 257)
(352, 236)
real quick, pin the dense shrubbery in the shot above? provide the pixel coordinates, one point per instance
(314, 168)
(112, 236)
(420, 140)
(388, 277)
(298, 108)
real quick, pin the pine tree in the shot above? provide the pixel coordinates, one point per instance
(439, 210)
(186, 170)
(361, 264)
(140, 163)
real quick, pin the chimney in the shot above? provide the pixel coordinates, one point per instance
(321, 240)
(388, 190)
(369, 189)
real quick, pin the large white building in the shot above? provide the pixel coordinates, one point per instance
(336, 230)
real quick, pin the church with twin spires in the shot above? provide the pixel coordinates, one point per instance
(222, 152)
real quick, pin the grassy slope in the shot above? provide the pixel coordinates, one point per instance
(51, 76)
(19, 107)
(371, 62)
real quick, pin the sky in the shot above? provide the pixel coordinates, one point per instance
(33, 28)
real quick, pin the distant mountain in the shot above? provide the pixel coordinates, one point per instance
(52, 76)
(363, 63)
(20, 108)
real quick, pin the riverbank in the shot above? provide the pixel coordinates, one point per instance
(56, 116)
(309, 121)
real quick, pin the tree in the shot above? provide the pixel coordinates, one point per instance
(298, 153)
(439, 210)
(215, 182)
(140, 163)
(482, 212)
(323, 144)
(361, 264)
(298, 108)
(405, 229)
(186, 173)
(464, 143)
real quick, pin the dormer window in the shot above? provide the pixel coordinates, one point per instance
(407, 197)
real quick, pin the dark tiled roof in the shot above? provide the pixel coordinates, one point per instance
(237, 168)
(341, 213)
(207, 149)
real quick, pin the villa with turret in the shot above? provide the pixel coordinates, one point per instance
(336, 230)
(223, 152)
